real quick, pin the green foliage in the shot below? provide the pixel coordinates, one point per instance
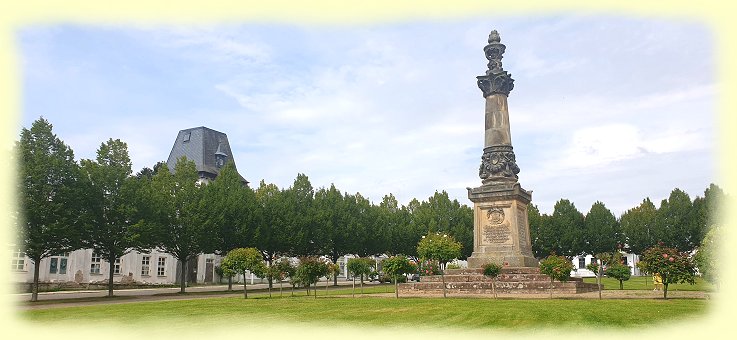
(441, 248)
(601, 230)
(176, 223)
(677, 224)
(593, 267)
(309, 270)
(556, 267)
(50, 218)
(542, 234)
(240, 260)
(568, 228)
(359, 267)
(452, 266)
(672, 265)
(398, 265)
(492, 269)
(429, 267)
(271, 234)
(707, 255)
(638, 226)
(285, 268)
(111, 201)
(231, 213)
(617, 270)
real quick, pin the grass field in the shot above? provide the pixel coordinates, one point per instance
(379, 311)
(646, 283)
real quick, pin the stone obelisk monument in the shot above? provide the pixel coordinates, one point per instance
(501, 232)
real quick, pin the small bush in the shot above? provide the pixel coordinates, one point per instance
(492, 269)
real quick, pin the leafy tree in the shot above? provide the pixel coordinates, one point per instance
(112, 196)
(676, 223)
(568, 224)
(639, 228)
(240, 260)
(396, 266)
(601, 230)
(231, 213)
(178, 223)
(707, 255)
(542, 233)
(309, 271)
(332, 270)
(706, 213)
(358, 267)
(557, 268)
(441, 248)
(298, 214)
(334, 222)
(672, 265)
(492, 270)
(50, 218)
(271, 234)
(286, 270)
(618, 271)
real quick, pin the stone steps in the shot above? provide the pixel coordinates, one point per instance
(526, 280)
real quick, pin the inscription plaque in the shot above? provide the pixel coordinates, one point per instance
(497, 234)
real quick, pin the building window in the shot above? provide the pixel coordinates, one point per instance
(58, 264)
(187, 136)
(581, 262)
(145, 265)
(116, 267)
(95, 264)
(18, 260)
(161, 268)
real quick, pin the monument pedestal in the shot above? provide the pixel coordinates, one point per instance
(500, 225)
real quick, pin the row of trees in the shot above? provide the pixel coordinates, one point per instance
(99, 204)
(679, 222)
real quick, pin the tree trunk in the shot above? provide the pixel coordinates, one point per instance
(183, 275)
(665, 290)
(110, 278)
(442, 276)
(34, 287)
(621, 285)
(396, 287)
(551, 288)
(598, 277)
(315, 289)
(493, 290)
(354, 286)
(327, 282)
(280, 289)
(245, 290)
(230, 283)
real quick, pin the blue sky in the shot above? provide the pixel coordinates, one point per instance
(605, 107)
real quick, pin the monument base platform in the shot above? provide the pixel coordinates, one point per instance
(522, 280)
(479, 259)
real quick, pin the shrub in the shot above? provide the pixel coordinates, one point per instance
(620, 272)
(672, 265)
(557, 268)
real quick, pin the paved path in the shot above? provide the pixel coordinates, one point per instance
(156, 294)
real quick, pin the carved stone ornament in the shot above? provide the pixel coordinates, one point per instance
(498, 162)
(495, 83)
(495, 215)
(496, 79)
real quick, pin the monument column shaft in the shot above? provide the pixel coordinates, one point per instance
(497, 121)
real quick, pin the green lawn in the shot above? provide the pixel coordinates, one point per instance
(371, 311)
(646, 283)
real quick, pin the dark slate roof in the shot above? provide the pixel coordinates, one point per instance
(201, 145)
